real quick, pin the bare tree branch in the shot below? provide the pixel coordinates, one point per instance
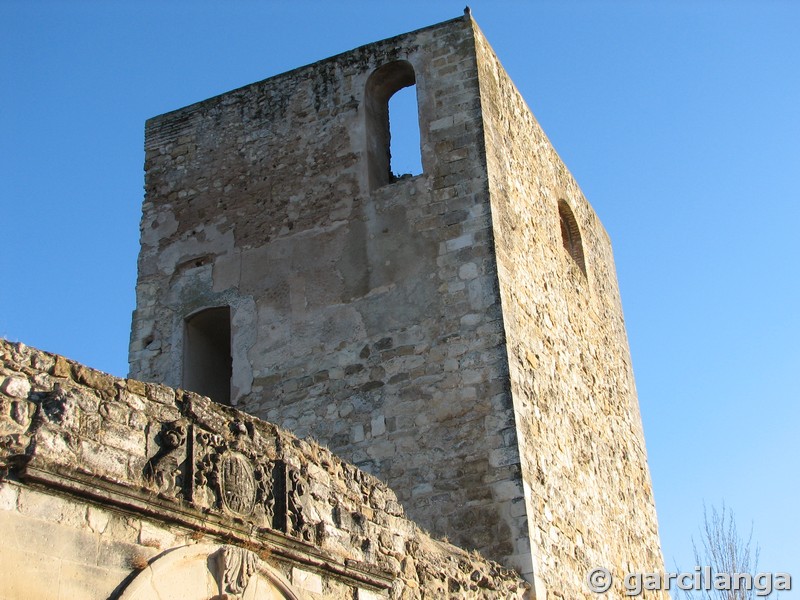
(724, 551)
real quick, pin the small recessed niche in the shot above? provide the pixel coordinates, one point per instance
(207, 362)
(571, 235)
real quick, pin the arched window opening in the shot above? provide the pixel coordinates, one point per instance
(404, 143)
(393, 135)
(571, 235)
(207, 354)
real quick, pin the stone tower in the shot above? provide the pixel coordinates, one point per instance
(458, 333)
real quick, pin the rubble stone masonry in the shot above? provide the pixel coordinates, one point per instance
(458, 333)
(114, 488)
(581, 444)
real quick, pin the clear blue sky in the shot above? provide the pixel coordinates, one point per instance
(680, 120)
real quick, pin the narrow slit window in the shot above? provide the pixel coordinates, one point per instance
(392, 124)
(207, 363)
(571, 235)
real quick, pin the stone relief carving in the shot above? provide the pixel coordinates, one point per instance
(238, 566)
(207, 451)
(227, 475)
(166, 470)
(237, 483)
(60, 407)
(265, 492)
(297, 525)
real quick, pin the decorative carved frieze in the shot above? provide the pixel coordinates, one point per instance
(227, 473)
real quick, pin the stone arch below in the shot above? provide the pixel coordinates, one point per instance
(203, 572)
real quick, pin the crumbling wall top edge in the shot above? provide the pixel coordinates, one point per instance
(185, 111)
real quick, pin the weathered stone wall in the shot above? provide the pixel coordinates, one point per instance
(115, 488)
(367, 317)
(587, 485)
(436, 330)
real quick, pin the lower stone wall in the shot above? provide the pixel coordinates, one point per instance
(60, 547)
(55, 546)
(113, 488)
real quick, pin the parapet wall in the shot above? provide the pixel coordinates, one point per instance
(112, 487)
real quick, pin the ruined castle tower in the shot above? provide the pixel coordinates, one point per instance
(458, 333)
